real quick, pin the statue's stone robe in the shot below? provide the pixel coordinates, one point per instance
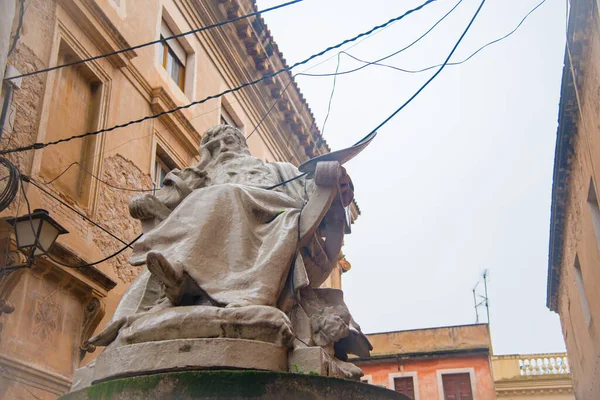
(237, 242)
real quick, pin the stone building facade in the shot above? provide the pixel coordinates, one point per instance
(574, 254)
(57, 308)
(435, 363)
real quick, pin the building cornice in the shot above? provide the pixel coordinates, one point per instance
(580, 18)
(534, 386)
(423, 355)
(90, 17)
(178, 123)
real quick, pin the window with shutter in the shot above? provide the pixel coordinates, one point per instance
(405, 385)
(173, 56)
(457, 386)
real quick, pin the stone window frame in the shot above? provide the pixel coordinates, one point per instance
(173, 160)
(581, 291)
(367, 379)
(440, 372)
(64, 35)
(188, 88)
(594, 209)
(414, 376)
(228, 114)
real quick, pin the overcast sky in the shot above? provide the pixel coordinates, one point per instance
(458, 182)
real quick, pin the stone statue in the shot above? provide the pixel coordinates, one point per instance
(235, 250)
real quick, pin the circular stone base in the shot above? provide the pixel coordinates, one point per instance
(232, 385)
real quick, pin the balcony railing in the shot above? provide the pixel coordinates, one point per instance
(557, 365)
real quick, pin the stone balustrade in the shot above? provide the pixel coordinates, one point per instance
(544, 364)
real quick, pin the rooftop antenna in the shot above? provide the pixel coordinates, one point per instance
(481, 300)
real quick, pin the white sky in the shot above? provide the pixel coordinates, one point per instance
(458, 182)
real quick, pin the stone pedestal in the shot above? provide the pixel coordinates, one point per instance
(219, 384)
(185, 354)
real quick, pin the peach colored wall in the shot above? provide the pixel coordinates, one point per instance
(426, 370)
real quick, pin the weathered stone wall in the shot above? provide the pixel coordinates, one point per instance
(21, 127)
(113, 210)
(582, 334)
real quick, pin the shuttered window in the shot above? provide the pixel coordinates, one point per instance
(405, 385)
(172, 55)
(457, 386)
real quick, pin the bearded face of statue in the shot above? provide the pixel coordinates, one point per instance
(223, 139)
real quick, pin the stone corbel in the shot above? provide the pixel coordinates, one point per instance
(93, 314)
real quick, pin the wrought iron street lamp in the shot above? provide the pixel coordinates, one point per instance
(35, 234)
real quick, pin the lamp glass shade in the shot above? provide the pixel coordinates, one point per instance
(37, 224)
(48, 235)
(26, 231)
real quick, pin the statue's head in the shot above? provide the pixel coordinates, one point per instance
(222, 140)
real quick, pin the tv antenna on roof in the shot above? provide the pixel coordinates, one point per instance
(481, 300)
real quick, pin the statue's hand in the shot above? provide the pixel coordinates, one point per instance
(147, 206)
(346, 188)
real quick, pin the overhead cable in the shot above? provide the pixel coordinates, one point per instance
(11, 188)
(37, 146)
(45, 252)
(103, 152)
(96, 178)
(337, 68)
(389, 55)
(377, 62)
(347, 72)
(443, 65)
(82, 215)
(139, 46)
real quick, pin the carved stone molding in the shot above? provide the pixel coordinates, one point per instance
(176, 122)
(100, 29)
(33, 376)
(63, 253)
(93, 314)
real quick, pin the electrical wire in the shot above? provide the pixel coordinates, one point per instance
(12, 185)
(389, 55)
(45, 252)
(139, 46)
(37, 146)
(303, 73)
(18, 32)
(271, 108)
(377, 62)
(127, 245)
(37, 185)
(337, 68)
(103, 152)
(286, 182)
(8, 237)
(389, 118)
(95, 177)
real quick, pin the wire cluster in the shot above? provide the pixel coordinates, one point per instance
(12, 184)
